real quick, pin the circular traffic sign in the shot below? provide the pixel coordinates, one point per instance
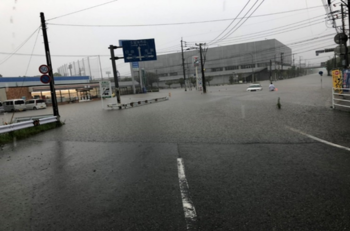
(44, 69)
(340, 38)
(45, 79)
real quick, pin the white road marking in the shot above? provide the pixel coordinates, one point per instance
(318, 139)
(189, 209)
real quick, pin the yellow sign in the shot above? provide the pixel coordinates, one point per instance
(337, 80)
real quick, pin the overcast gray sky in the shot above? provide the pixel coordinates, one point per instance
(21, 18)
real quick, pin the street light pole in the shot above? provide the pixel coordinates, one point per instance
(345, 43)
(183, 64)
(252, 67)
(202, 66)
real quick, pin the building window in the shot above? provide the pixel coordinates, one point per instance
(163, 75)
(231, 68)
(216, 69)
(247, 66)
(173, 74)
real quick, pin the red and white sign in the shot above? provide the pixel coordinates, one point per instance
(44, 69)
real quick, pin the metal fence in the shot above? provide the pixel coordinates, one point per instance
(341, 97)
(89, 66)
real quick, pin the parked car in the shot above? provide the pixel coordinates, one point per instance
(34, 104)
(255, 87)
(14, 105)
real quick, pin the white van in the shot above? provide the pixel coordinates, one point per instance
(35, 104)
(14, 105)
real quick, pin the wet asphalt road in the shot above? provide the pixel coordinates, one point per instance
(246, 170)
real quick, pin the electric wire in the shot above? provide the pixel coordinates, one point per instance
(231, 21)
(231, 32)
(81, 10)
(18, 48)
(171, 24)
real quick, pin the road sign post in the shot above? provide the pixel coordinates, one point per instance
(115, 72)
(49, 65)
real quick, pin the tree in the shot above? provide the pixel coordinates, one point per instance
(169, 83)
(231, 79)
(151, 78)
(208, 79)
(181, 82)
(57, 74)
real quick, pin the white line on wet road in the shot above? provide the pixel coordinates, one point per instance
(318, 139)
(189, 209)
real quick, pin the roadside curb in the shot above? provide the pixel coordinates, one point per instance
(112, 106)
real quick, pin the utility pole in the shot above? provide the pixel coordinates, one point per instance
(99, 59)
(202, 67)
(115, 75)
(270, 70)
(183, 64)
(88, 59)
(345, 43)
(49, 64)
(275, 68)
(282, 64)
(294, 66)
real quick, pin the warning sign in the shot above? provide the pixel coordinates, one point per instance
(337, 80)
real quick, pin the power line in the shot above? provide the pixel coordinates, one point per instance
(81, 10)
(31, 55)
(276, 28)
(234, 38)
(179, 23)
(238, 22)
(270, 34)
(231, 22)
(13, 53)
(230, 33)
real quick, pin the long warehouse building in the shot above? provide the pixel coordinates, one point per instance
(241, 62)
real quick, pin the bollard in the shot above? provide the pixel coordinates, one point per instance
(279, 103)
(169, 94)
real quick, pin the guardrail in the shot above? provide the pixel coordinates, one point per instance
(341, 97)
(26, 118)
(135, 104)
(26, 124)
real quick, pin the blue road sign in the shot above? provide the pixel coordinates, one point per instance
(45, 79)
(133, 64)
(139, 50)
